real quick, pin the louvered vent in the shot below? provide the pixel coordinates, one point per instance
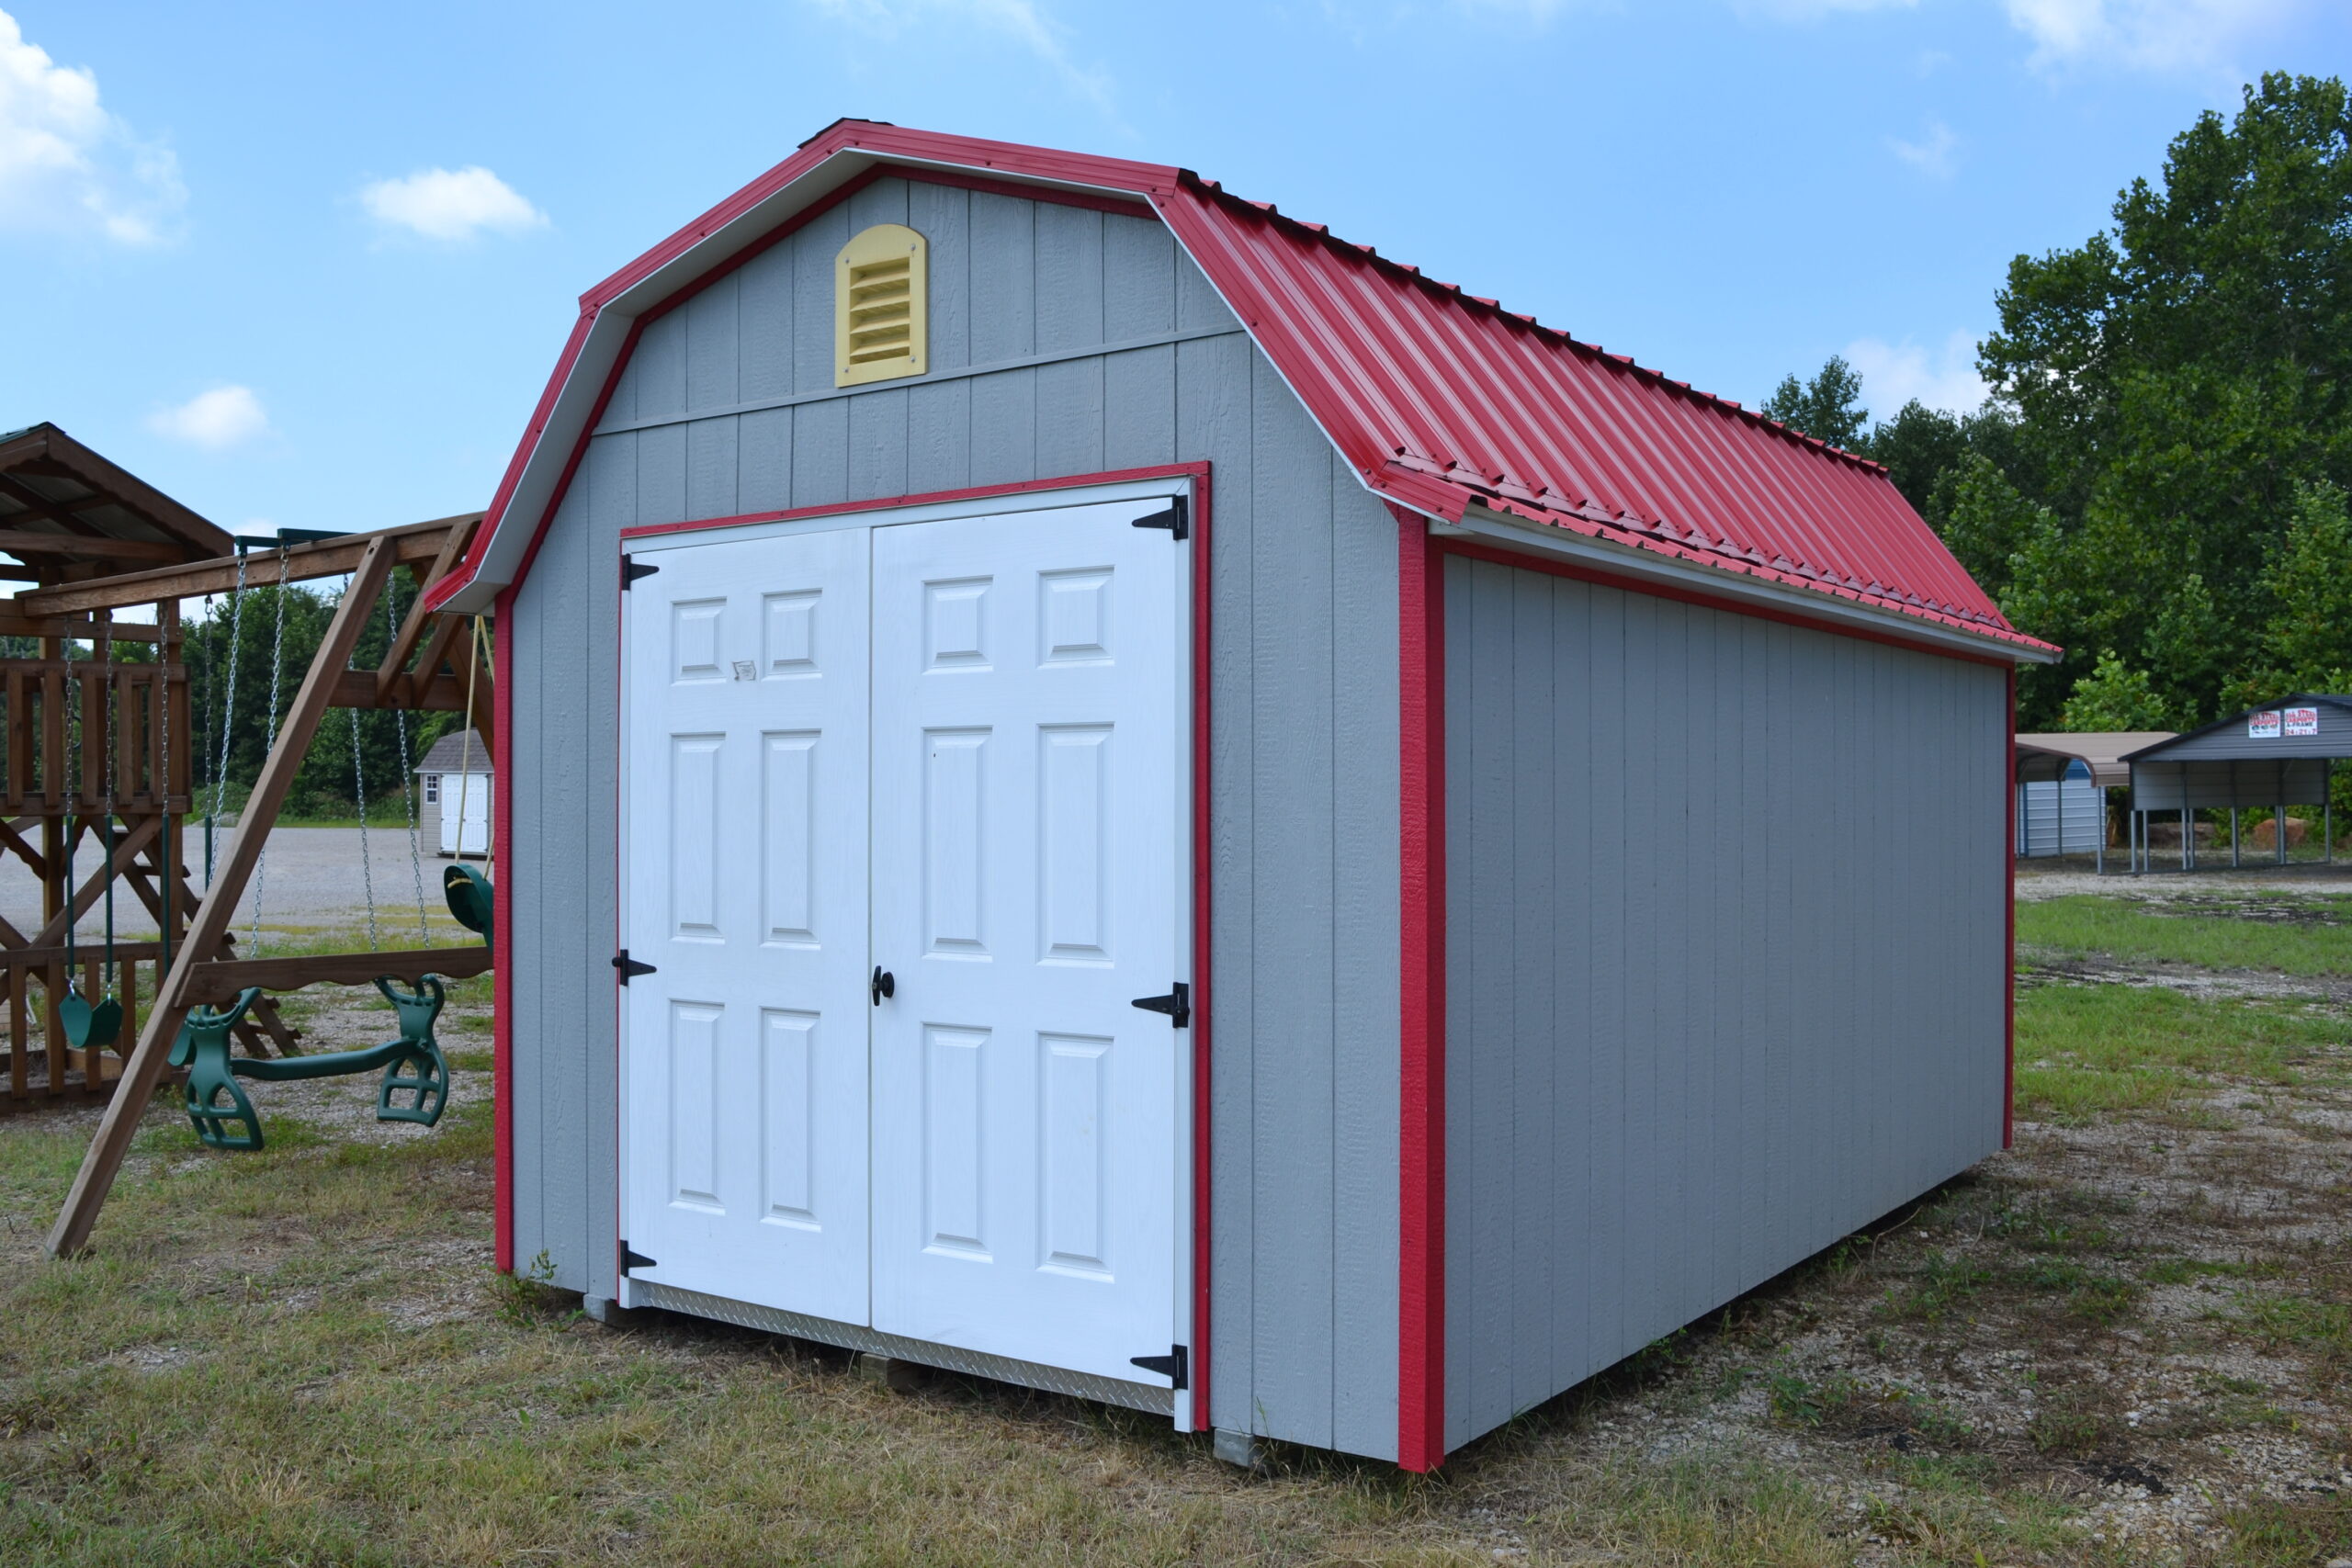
(878, 306)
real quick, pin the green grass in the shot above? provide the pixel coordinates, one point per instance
(301, 1357)
(2085, 1051)
(2131, 929)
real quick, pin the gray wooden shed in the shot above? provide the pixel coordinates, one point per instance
(1107, 790)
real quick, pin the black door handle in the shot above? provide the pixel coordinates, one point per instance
(885, 985)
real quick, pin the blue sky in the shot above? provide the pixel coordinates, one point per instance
(309, 266)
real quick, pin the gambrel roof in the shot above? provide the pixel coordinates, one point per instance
(1440, 401)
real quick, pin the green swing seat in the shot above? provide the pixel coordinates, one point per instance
(414, 1088)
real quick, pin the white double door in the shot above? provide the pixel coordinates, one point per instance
(950, 753)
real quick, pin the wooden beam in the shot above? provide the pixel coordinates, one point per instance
(20, 542)
(60, 625)
(414, 543)
(144, 1069)
(357, 689)
(212, 983)
(414, 626)
(57, 511)
(81, 900)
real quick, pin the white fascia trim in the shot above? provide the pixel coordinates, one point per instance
(1541, 540)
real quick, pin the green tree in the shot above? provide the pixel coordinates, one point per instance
(2115, 696)
(2169, 386)
(1919, 445)
(2307, 643)
(1828, 408)
(327, 783)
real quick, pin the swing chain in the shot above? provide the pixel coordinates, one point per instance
(408, 794)
(106, 840)
(69, 794)
(276, 666)
(227, 713)
(367, 868)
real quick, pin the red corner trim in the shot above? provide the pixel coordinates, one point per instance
(1203, 1039)
(1420, 1298)
(502, 925)
(2009, 917)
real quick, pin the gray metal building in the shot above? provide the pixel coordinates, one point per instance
(2266, 758)
(1468, 944)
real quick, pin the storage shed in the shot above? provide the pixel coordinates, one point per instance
(1108, 790)
(454, 787)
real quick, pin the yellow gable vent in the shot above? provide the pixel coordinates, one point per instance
(878, 317)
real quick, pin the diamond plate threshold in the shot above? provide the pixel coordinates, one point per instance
(850, 1337)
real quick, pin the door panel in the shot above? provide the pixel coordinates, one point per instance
(1026, 885)
(747, 1059)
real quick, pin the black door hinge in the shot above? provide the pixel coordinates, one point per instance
(1172, 1366)
(1176, 519)
(630, 1260)
(632, 569)
(1177, 1004)
(629, 967)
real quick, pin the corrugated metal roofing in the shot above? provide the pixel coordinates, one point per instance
(1440, 400)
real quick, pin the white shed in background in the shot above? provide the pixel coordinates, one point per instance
(453, 794)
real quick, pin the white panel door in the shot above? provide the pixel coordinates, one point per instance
(1027, 847)
(747, 1046)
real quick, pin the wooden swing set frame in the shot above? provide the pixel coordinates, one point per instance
(429, 666)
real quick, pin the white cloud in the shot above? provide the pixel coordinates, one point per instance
(2191, 35)
(451, 204)
(1894, 374)
(216, 420)
(66, 164)
(1022, 21)
(1932, 153)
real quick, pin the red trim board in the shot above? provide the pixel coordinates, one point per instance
(1202, 995)
(1197, 472)
(1201, 534)
(2009, 920)
(502, 925)
(1421, 939)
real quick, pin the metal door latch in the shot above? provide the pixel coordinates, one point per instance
(885, 984)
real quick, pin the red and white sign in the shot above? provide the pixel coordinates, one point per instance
(2263, 726)
(2302, 721)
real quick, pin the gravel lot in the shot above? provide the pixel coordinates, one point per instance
(311, 876)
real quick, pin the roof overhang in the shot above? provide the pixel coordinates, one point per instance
(1644, 566)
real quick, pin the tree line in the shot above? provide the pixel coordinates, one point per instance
(2157, 480)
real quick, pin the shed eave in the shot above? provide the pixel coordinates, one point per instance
(1642, 566)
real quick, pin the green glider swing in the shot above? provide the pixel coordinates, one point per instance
(415, 1082)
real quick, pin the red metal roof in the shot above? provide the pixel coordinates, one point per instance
(1438, 399)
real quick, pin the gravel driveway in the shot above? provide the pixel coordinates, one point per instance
(311, 876)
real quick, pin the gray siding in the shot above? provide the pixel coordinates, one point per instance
(1725, 981)
(1064, 340)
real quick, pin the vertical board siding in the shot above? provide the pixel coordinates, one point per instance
(1725, 976)
(1303, 1000)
